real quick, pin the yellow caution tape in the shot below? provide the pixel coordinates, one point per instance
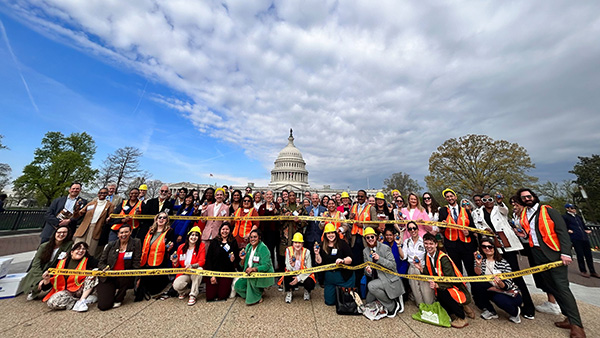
(328, 267)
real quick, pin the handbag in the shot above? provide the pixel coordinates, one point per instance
(432, 314)
(345, 301)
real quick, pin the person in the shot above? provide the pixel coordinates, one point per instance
(196, 194)
(453, 297)
(493, 217)
(156, 249)
(289, 228)
(181, 226)
(236, 201)
(123, 254)
(346, 204)
(46, 256)
(549, 240)
(218, 209)
(226, 190)
(415, 212)
(306, 203)
(431, 207)
(399, 203)
(190, 254)
(112, 197)
(371, 200)
(460, 244)
(504, 293)
(248, 191)
(338, 199)
(270, 229)
(384, 287)
(254, 258)
(477, 201)
(579, 232)
(153, 206)
(284, 196)
(297, 257)
(72, 292)
(243, 227)
(127, 208)
(313, 232)
(413, 251)
(2, 199)
(258, 201)
(394, 240)
(307, 194)
(382, 211)
(332, 212)
(279, 200)
(324, 201)
(61, 212)
(180, 199)
(222, 255)
(95, 214)
(333, 251)
(360, 212)
(208, 196)
(143, 190)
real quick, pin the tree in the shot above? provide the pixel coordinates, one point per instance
(587, 171)
(56, 164)
(153, 188)
(557, 194)
(5, 169)
(402, 182)
(121, 167)
(475, 164)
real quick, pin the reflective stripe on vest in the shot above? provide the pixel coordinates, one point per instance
(137, 208)
(74, 282)
(365, 215)
(290, 252)
(151, 252)
(455, 234)
(238, 224)
(337, 224)
(454, 292)
(546, 227)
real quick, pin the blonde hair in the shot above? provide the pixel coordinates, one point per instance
(154, 226)
(419, 206)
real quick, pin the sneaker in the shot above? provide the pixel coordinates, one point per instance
(192, 301)
(80, 306)
(393, 313)
(547, 307)
(280, 288)
(288, 297)
(31, 297)
(306, 295)
(91, 299)
(487, 315)
(116, 305)
(516, 319)
(181, 296)
(530, 317)
(401, 304)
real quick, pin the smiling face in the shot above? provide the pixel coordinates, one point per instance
(413, 201)
(361, 197)
(297, 246)
(247, 202)
(162, 218)
(330, 236)
(225, 230)
(389, 236)
(61, 234)
(220, 196)
(292, 197)
(236, 196)
(450, 198)
(269, 196)
(164, 192)
(371, 240)
(74, 190)
(254, 239)
(78, 252)
(331, 206)
(189, 200)
(427, 199)
(102, 194)
(430, 247)
(124, 234)
(194, 238)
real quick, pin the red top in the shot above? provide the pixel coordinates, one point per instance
(120, 264)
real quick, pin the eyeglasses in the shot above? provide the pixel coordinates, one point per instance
(526, 197)
(413, 229)
(489, 247)
(369, 237)
(162, 217)
(485, 200)
(164, 191)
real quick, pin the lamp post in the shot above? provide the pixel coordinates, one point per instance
(584, 195)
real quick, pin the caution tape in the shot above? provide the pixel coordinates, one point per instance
(328, 267)
(306, 218)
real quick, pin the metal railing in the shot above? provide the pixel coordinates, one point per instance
(594, 237)
(21, 220)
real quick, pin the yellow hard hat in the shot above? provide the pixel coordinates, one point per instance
(345, 195)
(143, 187)
(329, 227)
(448, 190)
(220, 189)
(398, 191)
(369, 231)
(298, 238)
(380, 195)
(195, 229)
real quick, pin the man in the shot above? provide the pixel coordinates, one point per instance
(548, 237)
(112, 198)
(153, 206)
(578, 232)
(360, 211)
(289, 228)
(477, 200)
(386, 288)
(460, 244)
(2, 199)
(313, 232)
(452, 296)
(307, 194)
(143, 190)
(219, 209)
(61, 212)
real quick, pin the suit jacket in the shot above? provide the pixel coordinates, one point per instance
(87, 219)
(575, 223)
(560, 229)
(111, 254)
(444, 215)
(392, 284)
(211, 229)
(151, 207)
(51, 221)
(313, 232)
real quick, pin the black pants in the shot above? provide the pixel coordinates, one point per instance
(357, 259)
(513, 261)
(485, 298)
(106, 291)
(462, 255)
(584, 255)
(449, 304)
(537, 278)
(308, 284)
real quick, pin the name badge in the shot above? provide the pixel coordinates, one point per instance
(295, 213)
(256, 259)
(223, 212)
(182, 257)
(62, 255)
(90, 207)
(184, 213)
(333, 252)
(128, 255)
(226, 247)
(126, 208)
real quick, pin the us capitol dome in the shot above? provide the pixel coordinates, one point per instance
(290, 169)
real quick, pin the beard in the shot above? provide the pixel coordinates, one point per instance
(530, 203)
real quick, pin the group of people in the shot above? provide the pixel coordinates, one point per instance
(81, 235)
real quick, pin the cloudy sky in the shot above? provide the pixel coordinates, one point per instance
(213, 87)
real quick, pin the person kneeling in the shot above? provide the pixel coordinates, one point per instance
(258, 260)
(452, 296)
(190, 254)
(298, 258)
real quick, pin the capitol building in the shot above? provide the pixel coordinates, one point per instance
(289, 173)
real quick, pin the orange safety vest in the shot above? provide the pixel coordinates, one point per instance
(337, 224)
(238, 224)
(152, 253)
(74, 282)
(290, 252)
(137, 209)
(365, 215)
(455, 292)
(455, 234)
(546, 226)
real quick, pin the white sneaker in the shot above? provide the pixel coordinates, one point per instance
(280, 288)
(547, 307)
(31, 297)
(80, 306)
(395, 310)
(116, 305)
(516, 319)
(306, 295)
(288, 297)
(401, 304)
(487, 315)
(91, 299)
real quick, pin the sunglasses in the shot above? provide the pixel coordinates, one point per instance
(413, 229)
(485, 200)
(164, 191)
(527, 197)
(162, 217)
(247, 201)
(490, 247)
(370, 237)
(426, 198)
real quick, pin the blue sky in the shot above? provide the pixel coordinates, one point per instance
(213, 87)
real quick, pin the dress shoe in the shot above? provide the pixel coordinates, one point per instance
(585, 274)
(595, 275)
(577, 332)
(565, 324)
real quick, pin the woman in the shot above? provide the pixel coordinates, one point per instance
(394, 241)
(236, 201)
(189, 255)
(255, 258)
(130, 207)
(196, 194)
(208, 197)
(431, 207)
(279, 200)
(47, 256)
(383, 213)
(306, 203)
(258, 200)
(333, 212)
(413, 252)
(96, 212)
(270, 229)
(298, 258)
(218, 209)
(465, 203)
(71, 292)
(123, 254)
(243, 227)
(324, 200)
(346, 204)
(222, 255)
(335, 251)
(504, 293)
(155, 249)
(415, 212)
(180, 226)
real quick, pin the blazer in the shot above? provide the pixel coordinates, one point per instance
(560, 228)
(392, 284)
(575, 223)
(51, 221)
(211, 229)
(151, 207)
(87, 219)
(313, 232)
(499, 218)
(111, 254)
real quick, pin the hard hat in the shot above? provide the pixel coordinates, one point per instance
(345, 195)
(143, 187)
(398, 191)
(448, 190)
(195, 229)
(220, 189)
(298, 238)
(380, 195)
(329, 227)
(369, 231)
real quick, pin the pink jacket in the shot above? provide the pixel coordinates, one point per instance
(417, 215)
(211, 230)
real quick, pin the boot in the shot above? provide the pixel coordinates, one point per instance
(565, 324)
(459, 323)
(577, 332)
(469, 311)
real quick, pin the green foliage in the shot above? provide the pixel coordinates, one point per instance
(587, 171)
(56, 164)
(5, 169)
(557, 194)
(402, 182)
(474, 164)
